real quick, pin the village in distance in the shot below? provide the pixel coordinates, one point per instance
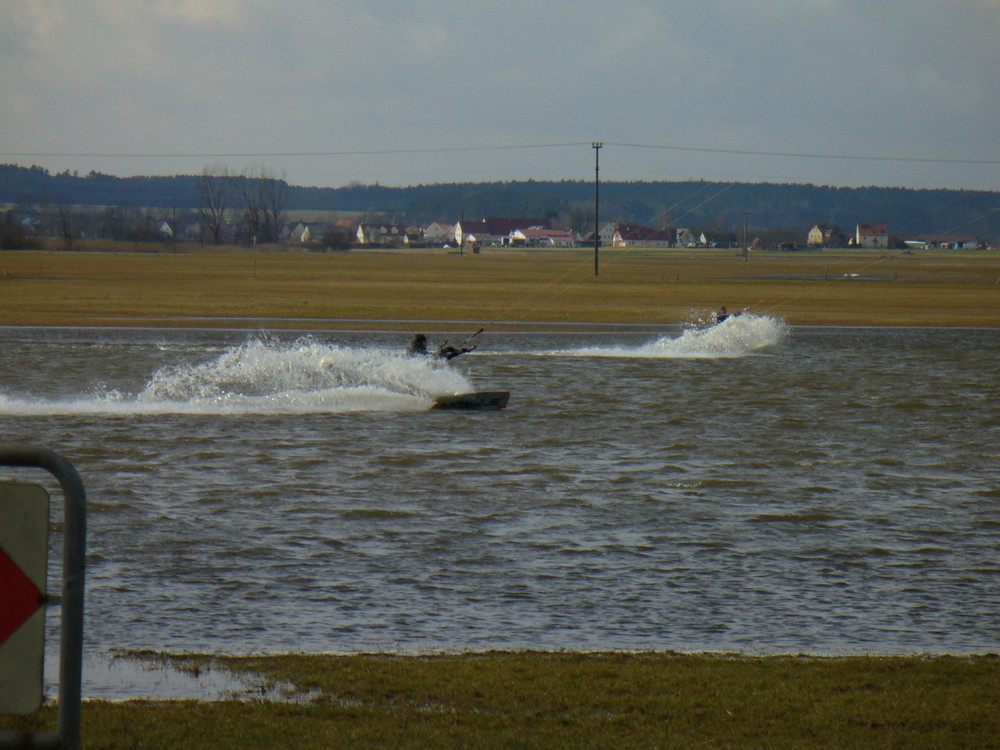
(38, 209)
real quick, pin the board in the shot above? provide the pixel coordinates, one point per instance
(478, 401)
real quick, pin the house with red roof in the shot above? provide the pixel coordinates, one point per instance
(631, 235)
(872, 234)
(542, 237)
(492, 231)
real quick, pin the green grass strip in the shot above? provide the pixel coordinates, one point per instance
(570, 700)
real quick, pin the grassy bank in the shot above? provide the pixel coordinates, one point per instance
(562, 700)
(499, 288)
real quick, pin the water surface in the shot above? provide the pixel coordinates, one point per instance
(747, 488)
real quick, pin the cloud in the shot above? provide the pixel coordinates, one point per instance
(199, 12)
(895, 78)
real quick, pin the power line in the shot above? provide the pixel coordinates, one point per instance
(800, 155)
(274, 154)
(512, 147)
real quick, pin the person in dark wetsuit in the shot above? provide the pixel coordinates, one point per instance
(721, 315)
(418, 345)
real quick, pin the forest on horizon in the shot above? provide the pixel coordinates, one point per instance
(718, 205)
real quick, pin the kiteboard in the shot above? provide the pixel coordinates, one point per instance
(478, 401)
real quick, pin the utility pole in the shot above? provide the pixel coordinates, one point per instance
(746, 247)
(597, 198)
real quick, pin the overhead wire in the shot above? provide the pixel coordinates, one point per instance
(509, 147)
(276, 154)
(805, 155)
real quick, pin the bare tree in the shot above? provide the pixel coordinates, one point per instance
(275, 195)
(13, 235)
(215, 191)
(252, 220)
(336, 237)
(581, 220)
(263, 204)
(66, 217)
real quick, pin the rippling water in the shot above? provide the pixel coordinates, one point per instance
(748, 487)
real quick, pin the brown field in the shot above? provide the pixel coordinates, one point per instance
(499, 289)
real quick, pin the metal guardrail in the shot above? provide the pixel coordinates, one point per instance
(71, 602)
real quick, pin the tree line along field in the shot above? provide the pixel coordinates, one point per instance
(722, 206)
(498, 288)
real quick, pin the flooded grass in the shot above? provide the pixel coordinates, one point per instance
(529, 699)
(390, 289)
(562, 700)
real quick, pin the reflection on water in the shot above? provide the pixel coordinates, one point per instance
(744, 488)
(113, 677)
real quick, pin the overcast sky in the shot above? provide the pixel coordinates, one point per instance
(401, 92)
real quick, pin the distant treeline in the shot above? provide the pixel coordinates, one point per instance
(718, 205)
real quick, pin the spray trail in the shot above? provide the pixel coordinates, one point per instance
(737, 336)
(267, 378)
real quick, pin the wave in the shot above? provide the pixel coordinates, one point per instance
(737, 336)
(264, 377)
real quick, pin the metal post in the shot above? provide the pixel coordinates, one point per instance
(746, 247)
(74, 560)
(597, 200)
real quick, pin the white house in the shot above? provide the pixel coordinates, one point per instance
(439, 234)
(542, 237)
(872, 234)
(306, 232)
(630, 235)
(382, 234)
(299, 232)
(686, 238)
(491, 230)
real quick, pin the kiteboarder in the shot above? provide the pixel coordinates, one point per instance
(721, 315)
(418, 345)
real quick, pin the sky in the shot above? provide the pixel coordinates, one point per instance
(405, 92)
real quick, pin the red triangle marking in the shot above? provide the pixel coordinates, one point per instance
(19, 597)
